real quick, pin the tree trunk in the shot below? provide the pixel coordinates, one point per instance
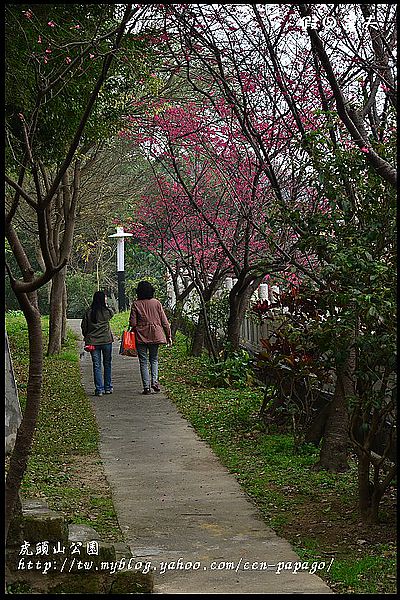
(61, 248)
(238, 301)
(39, 258)
(26, 430)
(176, 320)
(234, 321)
(315, 430)
(370, 492)
(64, 314)
(334, 449)
(200, 330)
(57, 316)
(364, 486)
(203, 331)
(198, 337)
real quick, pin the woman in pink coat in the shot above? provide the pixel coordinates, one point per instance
(151, 327)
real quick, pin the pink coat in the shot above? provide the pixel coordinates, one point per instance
(149, 322)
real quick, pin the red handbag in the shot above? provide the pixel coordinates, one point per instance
(89, 348)
(128, 344)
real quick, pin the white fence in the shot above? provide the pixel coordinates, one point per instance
(252, 332)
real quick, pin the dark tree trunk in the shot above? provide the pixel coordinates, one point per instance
(57, 315)
(198, 337)
(316, 429)
(364, 487)
(26, 430)
(239, 297)
(234, 321)
(334, 449)
(202, 328)
(64, 314)
(176, 320)
(367, 442)
(61, 247)
(39, 258)
(370, 494)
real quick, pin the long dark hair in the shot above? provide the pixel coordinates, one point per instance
(144, 290)
(99, 302)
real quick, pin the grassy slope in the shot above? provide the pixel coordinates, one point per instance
(64, 466)
(315, 511)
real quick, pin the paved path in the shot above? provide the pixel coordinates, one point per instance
(177, 505)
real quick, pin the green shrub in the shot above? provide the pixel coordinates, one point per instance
(235, 371)
(80, 290)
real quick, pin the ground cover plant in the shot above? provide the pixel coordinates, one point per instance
(64, 467)
(315, 511)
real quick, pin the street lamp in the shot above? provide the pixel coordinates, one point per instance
(121, 235)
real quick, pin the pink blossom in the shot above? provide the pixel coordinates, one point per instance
(51, 24)
(27, 13)
(48, 51)
(91, 55)
(68, 60)
(39, 39)
(364, 149)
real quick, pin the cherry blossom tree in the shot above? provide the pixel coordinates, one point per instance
(166, 224)
(217, 176)
(320, 79)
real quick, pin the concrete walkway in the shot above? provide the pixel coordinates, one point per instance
(182, 513)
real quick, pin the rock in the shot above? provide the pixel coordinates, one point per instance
(82, 533)
(41, 526)
(87, 583)
(83, 564)
(132, 582)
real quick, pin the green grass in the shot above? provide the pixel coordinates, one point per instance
(119, 322)
(367, 575)
(64, 466)
(315, 511)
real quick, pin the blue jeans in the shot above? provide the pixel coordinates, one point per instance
(104, 350)
(152, 350)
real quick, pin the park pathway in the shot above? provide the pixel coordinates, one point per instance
(177, 506)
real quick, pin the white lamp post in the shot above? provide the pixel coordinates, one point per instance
(121, 235)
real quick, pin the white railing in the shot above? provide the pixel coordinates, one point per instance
(252, 332)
